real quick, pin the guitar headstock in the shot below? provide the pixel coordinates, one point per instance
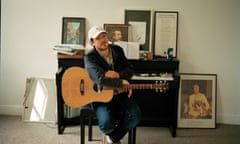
(161, 86)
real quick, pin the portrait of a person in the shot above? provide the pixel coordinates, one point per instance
(116, 35)
(118, 32)
(197, 105)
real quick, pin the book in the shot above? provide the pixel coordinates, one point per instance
(69, 49)
(62, 49)
(74, 52)
(69, 46)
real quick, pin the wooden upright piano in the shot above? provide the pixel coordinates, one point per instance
(158, 108)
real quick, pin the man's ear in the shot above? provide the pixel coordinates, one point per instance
(91, 41)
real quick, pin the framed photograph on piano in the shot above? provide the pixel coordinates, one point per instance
(140, 21)
(73, 30)
(165, 33)
(118, 32)
(197, 100)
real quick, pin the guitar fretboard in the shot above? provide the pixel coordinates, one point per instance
(160, 86)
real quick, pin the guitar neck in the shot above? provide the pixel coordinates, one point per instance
(145, 86)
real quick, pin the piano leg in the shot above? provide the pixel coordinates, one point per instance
(172, 130)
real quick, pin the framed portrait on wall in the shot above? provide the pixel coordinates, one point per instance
(165, 33)
(197, 101)
(140, 21)
(118, 32)
(73, 30)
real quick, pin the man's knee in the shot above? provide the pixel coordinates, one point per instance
(106, 126)
(135, 119)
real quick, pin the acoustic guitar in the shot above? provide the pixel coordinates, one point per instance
(79, 90)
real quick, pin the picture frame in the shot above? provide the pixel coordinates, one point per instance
(118, 32)
(165, 33)
(140, 21)
(73, 30)
(197, 110)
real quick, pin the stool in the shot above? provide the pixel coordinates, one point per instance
(86, 113)
(89, 114)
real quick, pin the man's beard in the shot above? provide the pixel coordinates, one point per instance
(103, 49)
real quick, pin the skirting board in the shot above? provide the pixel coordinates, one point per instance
(228, 119)
(11, 109)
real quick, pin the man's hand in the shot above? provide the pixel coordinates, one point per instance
(125, 82)
(112, 74)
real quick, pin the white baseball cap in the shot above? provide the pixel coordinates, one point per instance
(95, 31)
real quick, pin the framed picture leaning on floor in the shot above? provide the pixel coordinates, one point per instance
(197, 101)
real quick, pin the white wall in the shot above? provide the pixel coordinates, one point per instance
(208, 42)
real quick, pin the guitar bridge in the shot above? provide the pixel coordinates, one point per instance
(97, 88)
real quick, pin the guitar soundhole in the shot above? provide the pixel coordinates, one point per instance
(97, 88)
(82, 87)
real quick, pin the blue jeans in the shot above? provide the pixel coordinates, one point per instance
(118, 116)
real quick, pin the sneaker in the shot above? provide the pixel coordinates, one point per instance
(108, 140)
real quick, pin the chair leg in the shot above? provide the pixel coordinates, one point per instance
(82, 141)
(89, 129)
(132, 136)
(129, 136)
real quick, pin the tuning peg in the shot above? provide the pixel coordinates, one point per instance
(156, 88)
(165, 86)
(161, 86)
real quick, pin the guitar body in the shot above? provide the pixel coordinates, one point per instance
(78, 88)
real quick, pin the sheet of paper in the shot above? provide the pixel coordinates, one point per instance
(131, 49)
